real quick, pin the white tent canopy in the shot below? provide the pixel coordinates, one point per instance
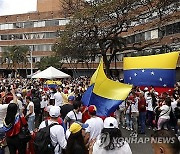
(51, 73)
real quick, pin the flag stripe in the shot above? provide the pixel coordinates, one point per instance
(107, 88)
(148, 77)
(161, 61)
(104, 106)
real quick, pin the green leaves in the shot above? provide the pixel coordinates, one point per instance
(15, 55)
(46, 62)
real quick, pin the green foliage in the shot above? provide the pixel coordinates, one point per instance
(97, 27)
(15, 55)
(46, 62)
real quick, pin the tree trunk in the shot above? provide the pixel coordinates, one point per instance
(107, 65)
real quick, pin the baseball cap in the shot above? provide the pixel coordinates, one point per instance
(54, 111)
(110, 122)
(77, 126)
(146, 88)
(71, 98)
(92, 109)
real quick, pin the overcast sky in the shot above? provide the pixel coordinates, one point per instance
(9, 7)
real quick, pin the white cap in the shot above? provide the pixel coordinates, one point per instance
(54, 111)
(110, 122)
(146, 88)
(18, 95)
(156, 93)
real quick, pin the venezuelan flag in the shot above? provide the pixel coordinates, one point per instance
(52, 84)
(104, 93)
(155, 70)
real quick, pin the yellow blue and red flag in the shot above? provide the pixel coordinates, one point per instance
(155, 70)
(51, 84)
(104, 93)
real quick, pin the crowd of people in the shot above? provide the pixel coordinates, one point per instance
(76, 129)
(148, 108)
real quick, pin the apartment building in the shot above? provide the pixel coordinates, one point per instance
(39, 30)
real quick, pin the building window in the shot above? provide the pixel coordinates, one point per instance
(138, 37)
(131, 39)
(39, 24)
(154, 34)
(63, 22)
(28, 24)
(18, 25)
(176, 28)
(148, 35)
(4, 37)
(169, 29)
(51, 22)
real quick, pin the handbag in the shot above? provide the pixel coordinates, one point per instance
(24, 134)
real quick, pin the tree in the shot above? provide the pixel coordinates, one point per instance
(14, 56)
(46, 62)
(98, 27)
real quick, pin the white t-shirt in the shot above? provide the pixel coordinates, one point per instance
(125, 149)
(28, 111)
(149, 103)
(122, 106)
(57, 135)
(95, 127)
(173, 105)
(145, 94)
(71, 116)
(134, 106)
(165, 111)
(44, 103)
(3, 110)
(58, 99)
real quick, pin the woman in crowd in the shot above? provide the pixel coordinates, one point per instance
(76, 143)
(165, 114)
(30, 115)
(12, 127)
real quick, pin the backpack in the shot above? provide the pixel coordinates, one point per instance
(42, 141)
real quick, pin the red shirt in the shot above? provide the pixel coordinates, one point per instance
(8, 98)
(142, 104)
(16, 127)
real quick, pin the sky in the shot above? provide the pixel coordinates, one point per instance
(9, 7)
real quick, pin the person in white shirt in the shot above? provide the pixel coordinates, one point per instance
(3, 110)
(58, 98)
(105, 143)
(57, 133)
(173, 103)
(150, 110)
(165, 114)
(19, 103)
(44, 103)
(122, 107)
(146, 91)
(30, 115)
(95, 124)
(134, 115)
(74, 115)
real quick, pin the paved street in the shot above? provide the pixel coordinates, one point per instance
(137, 148)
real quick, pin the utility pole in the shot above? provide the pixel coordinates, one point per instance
(31, 61)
